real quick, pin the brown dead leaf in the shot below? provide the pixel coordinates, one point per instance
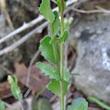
(37, 79)
(5, 90)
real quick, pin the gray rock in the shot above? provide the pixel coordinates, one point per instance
(93, 61)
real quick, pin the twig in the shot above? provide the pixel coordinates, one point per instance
(27, 93)
(91, 11)
(98, 7)
(23, 39)
(3, 8)
(20, 101)
(27, 36)
(29, 72)
(53, 98)
(8, 105)
(31, 24)
(8, 71)
(30, 65)
(22, 28)
(54, 1)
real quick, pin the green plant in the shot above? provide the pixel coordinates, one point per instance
(93, 99)
(79, 104)
(15, 90)
(52, 49)
(2, 107)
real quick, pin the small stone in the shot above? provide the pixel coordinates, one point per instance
(93, 63)
(77, 34)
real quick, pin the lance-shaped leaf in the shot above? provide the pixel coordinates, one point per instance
(14, 87)
(59, 5)
(54, 41)
(54, 86)
(49, 70)
(2, 107)
(78, 104)
(16, 91)
(56, 24)
(47, 49)
(63, 38)
(46, 11)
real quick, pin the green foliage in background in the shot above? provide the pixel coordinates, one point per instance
(41, 104)
(78, 104)
(15, 90)
(93, 99)
(2, 107)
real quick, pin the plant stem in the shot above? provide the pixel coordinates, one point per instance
(55, 49)
(62, 18)
(56, 55)
(51, 29)
(62, 60)
(61, 83)
(40, 92)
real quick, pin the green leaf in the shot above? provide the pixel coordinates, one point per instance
(59, 5)
(63, 38)
(49, 70)
(46, 11)
(78, 104)
(53, 40)
(54, 86)
(41, 104)
(14, 87)
(93, 99)
(16, 80)
(67, 22)
(66, 75)
(47, 49)
(16, 92)
(2, 107)
(56, 24)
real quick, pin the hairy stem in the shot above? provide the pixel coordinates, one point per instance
(61, 83)
(56, 55)
(61, 59)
